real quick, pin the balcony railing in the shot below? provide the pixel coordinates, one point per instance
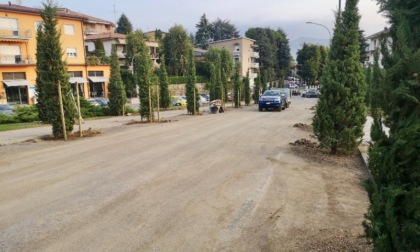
(15, 59)
(91, 31)
(255, 65)
(236, 54)
(15, 34)
(154, 55)
(256, 55)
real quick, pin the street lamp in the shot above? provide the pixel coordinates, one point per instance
(322, 26)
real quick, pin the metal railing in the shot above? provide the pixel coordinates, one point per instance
(15, 59)
(16, 34)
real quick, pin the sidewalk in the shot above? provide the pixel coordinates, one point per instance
(364, 145)
(21, 135)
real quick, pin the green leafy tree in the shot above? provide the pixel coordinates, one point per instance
(190, 87)
(165, 96)
(237, 85)
(133, 45)
(99, 48)
(175, 48)
(143, 71)
(129, 83)
(393, 218)
(247, 90)
(311, 62)
(264, 80)
(117, 95)
(223, 29)
(124, 25)
(51, 70)
(340, 112)
(203, 32)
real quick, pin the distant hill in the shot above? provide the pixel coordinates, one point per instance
(297, 44)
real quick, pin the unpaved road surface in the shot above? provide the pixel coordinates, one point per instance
(224, 182)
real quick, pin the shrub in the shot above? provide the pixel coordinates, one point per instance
(26, 114)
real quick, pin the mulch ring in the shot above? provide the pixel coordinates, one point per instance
(146, 122)
(303, 126)
(311, 151)
(70, 136)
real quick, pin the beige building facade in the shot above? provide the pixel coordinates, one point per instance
(244, 51)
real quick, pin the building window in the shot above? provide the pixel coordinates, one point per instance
(75, 73)
(10, 25)
(71, 52)
(14, 76)
(69, 29)
(95, 73)
(38, 24)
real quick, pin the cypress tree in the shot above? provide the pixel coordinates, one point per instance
(51, 70)
(237, 85)
(165, 96)
(117, 95)
(226, 71)
(143, 71)
(190, 86)
(247, 90)
(393, 219)
(340, 112)
(124, 25)
(257, 87)
(213, 57)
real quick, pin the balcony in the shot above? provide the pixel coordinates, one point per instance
(15, 34)
(255, 55)
(89, 31)
(154, 55)
(15, 60)
(236, 54)
(253, 75)
(255, 65)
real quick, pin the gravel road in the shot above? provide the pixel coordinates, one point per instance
(223, 182)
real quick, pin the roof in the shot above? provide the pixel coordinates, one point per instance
(62, 12)
(231, 39)
(384, 31)
(106, 35)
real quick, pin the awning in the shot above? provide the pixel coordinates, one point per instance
(98, 79)
(16, 83)
(78, 80)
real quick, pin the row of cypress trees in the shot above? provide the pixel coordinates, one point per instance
(393, 219)
(392, 222)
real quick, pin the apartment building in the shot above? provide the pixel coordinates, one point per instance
(18, 28)
(110, 39)
(374, 42)
(243, 51)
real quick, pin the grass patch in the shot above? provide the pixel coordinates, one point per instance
(16, 126)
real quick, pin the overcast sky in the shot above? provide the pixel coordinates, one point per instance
(287, 14)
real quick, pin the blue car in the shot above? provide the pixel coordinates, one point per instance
(271, 99)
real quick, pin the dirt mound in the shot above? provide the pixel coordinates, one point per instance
(303, 126)
(305, 142)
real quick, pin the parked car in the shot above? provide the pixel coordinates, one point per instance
(303, 92)
(6, 109)
(312, 94)
(271, 99)
(102, 102)
(295, 91)
(206, 96)
(178, 101)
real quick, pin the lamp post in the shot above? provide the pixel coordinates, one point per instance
(322, 26)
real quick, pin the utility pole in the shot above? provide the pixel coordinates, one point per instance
(339, 8)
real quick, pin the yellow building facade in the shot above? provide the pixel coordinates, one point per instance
(18, 29)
